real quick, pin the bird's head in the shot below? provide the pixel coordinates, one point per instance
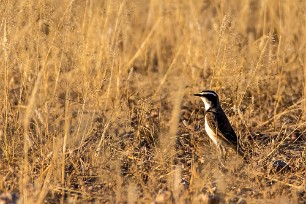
(210, 99)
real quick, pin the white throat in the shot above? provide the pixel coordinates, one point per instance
(207, 103)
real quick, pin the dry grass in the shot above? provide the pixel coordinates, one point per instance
(96, 100)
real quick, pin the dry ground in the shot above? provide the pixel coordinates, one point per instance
(96, 100)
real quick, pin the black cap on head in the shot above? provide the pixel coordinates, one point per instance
(210, 96)
(206, 93)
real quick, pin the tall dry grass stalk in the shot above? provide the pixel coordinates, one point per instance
(27, 140)
(304, 71)
(6, 83)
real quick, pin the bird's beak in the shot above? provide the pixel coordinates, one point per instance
(198, 94)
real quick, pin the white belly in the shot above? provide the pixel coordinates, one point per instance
(210, 133)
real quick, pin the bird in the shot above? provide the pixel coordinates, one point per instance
(217, 125)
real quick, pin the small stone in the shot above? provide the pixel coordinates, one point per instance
(281, 166)
(206, 198)
(8, 198)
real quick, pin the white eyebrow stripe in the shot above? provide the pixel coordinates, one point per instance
(206, 92)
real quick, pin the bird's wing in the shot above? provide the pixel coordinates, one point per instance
(225, 132)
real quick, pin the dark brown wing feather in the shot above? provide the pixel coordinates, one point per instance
(225, 132)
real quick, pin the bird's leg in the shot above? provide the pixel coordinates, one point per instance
(223, 151)
(222, 154)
